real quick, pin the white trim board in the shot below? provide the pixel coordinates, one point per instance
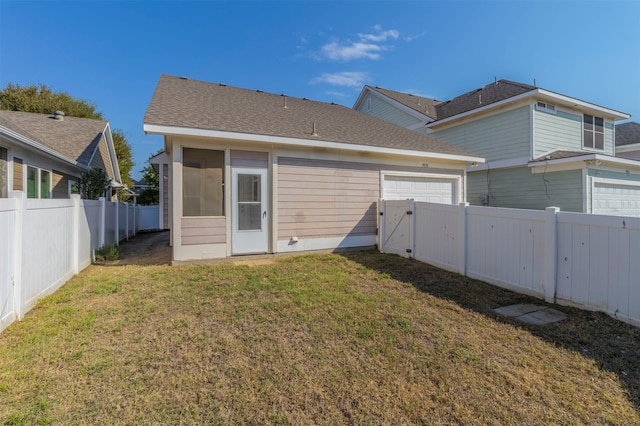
(217, 134)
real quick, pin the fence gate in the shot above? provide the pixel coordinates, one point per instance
(396, 227)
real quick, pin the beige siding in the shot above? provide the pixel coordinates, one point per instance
(17, 174)
(60, 187)
(318, 199)
(203, 230)
(165, 196)
(101, 158)
(249, 159)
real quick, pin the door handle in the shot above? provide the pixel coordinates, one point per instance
(264, 214)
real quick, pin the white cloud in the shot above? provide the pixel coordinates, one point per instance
(338, 52)
(346, 79)
(368, 46)
(381, 36)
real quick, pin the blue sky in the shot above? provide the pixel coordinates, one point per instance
(112, 52)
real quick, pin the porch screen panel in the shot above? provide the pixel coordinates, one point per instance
(202, 182)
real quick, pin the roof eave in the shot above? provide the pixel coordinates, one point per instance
(33, 144)
(512, 99)
(542, 93)
(319, 143)
(588, 157)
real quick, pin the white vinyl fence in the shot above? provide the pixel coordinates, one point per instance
(584, 260)
(43, 243)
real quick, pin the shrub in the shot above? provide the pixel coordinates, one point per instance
(108, 253)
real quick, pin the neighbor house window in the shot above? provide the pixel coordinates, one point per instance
(543, 106)
(202, 182)
(593, 132)
(38, 183)
(4, 173)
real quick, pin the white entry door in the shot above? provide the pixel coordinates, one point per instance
(249, 234)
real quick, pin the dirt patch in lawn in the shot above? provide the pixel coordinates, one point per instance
(146, 248)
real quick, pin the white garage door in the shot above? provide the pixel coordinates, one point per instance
(432, 190)
(614, 199)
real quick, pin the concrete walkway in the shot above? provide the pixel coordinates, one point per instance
(531, 314)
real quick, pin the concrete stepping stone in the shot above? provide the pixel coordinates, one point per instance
(531, 314)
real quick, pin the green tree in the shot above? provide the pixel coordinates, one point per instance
(41, 99)
(93, 184)
(150, 195)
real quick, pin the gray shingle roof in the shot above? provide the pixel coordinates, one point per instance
(426, 106)
(627, 133)
(196, 104)
(560, 154)
(437, 110)
(74, 138)
(489, 94)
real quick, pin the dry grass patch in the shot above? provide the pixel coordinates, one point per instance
(317, 339)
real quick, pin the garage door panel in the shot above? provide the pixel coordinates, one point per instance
(615, 199)
(431, 190)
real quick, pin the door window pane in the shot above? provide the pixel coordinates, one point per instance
(32, 182)
(248, 187)
(4, 174)
(45, 183)
(249, 216)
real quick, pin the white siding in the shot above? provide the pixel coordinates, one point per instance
(498, 137)
(518, 188)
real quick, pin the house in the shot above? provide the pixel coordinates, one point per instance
(254, 172)
(44, 155)
(160, 162)
(542, 148)
(628, 140)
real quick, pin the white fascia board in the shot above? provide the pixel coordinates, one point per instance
(542, 94)
(582, 104)
(361, 97)
(627, 148)
(23, 139)
(111, 148)
(525, 95)
(307, 143)
(589, 157)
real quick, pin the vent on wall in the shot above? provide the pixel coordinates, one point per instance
(543, 106)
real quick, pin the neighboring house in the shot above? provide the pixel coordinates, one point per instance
(44, 155)
(541, 148)
(628, 140)
(160, 162)
(254, 172)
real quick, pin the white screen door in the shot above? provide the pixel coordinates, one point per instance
(249, 223)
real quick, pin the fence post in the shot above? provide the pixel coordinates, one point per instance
(75, 233)
(116, 206)
(103, 221)
(551, 253)
(20, 198)
(381, 216)
(412, 227)
(126, 221)
(462, 239)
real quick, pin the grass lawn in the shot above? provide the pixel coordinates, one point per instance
(316, 339)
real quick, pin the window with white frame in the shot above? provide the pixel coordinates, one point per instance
(4, 173)
(38, 183)
(593, 132)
